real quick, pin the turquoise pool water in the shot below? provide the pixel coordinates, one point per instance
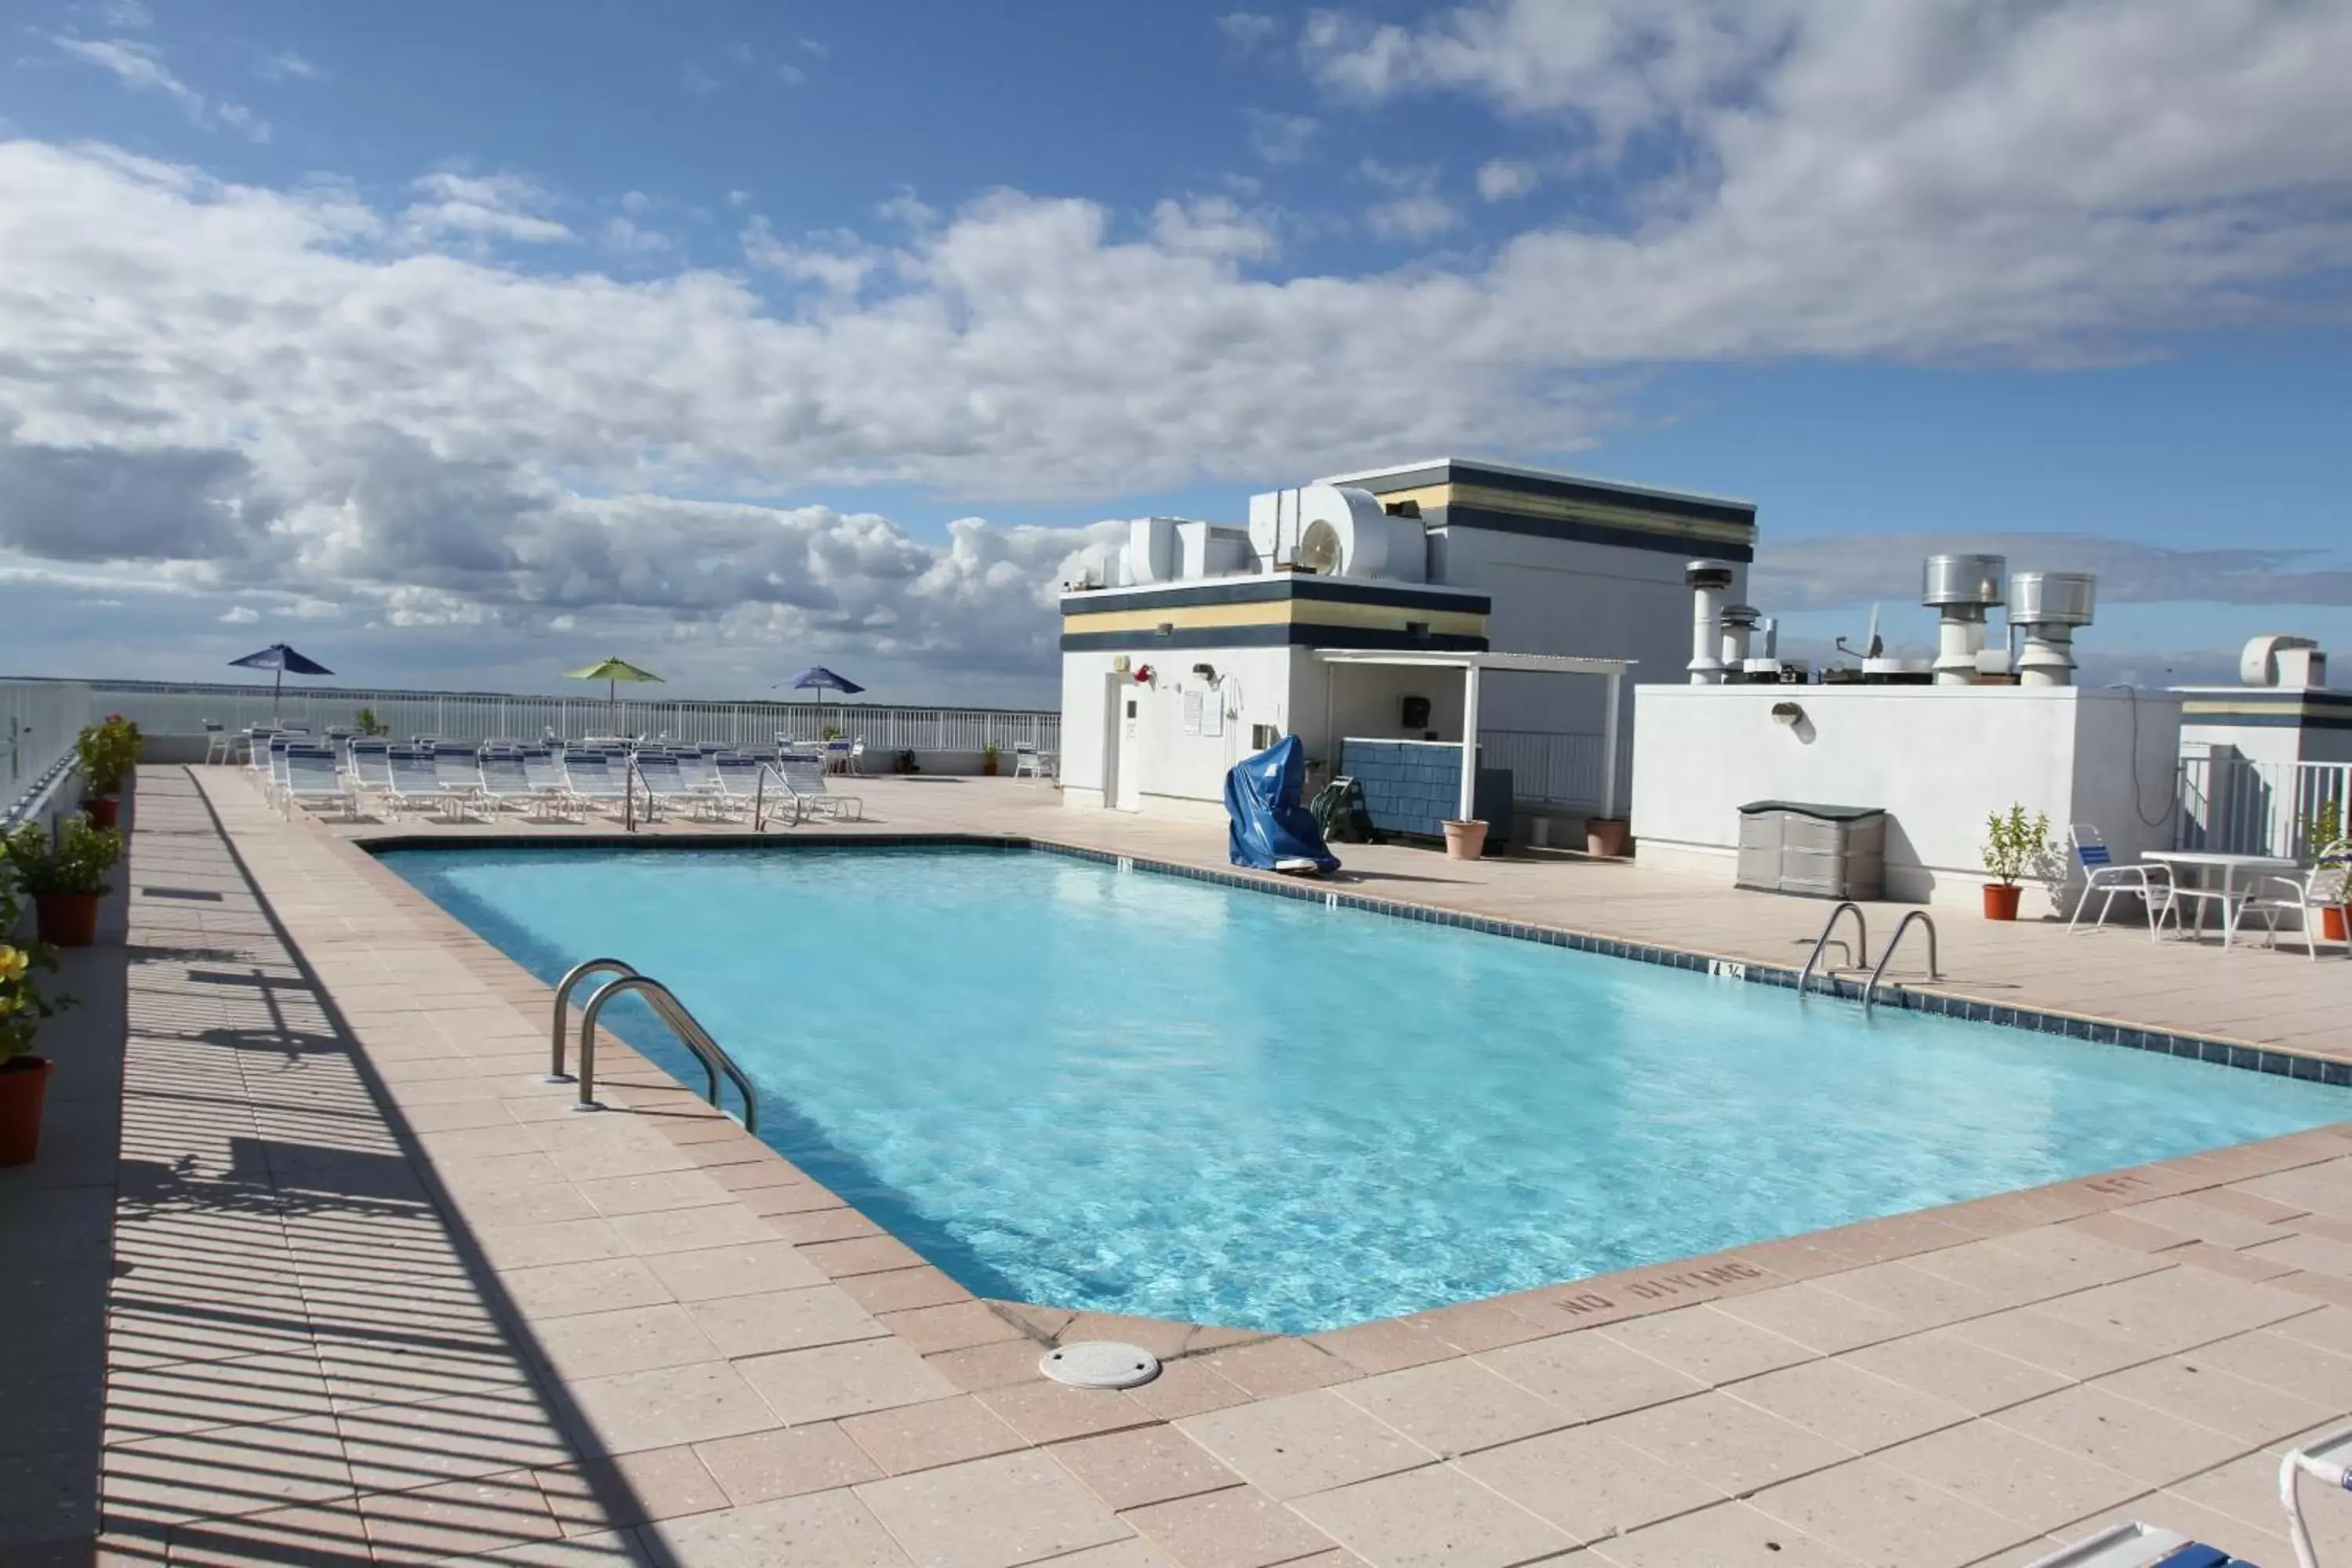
(1136, 1093)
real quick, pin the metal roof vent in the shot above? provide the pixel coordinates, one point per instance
(1961, 588)
(1100, 1363)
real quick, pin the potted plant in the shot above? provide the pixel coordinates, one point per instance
(367, 723)
(987, 760)
(2014, 844)
(1606, 836)
(2322, 828)
(65, 877)
(24, 1077)
(107, 752)
(1464, 840)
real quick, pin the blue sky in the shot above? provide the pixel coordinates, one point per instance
(467, 338)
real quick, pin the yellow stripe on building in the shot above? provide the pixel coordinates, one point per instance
(1279, 612)
(1519, 503)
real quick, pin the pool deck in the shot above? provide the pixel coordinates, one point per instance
(372, 1293)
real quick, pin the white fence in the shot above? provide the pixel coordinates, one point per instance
(1551, 768)
(485, 716)
(38, 722)
(2239, 806)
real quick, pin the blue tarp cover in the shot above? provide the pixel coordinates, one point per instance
(1269, 824)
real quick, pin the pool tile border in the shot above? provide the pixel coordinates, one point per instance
(2220, 1052)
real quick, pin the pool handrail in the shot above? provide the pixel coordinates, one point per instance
(1861, 943)
(563, 987)
(683, 1024)
(1887, 954)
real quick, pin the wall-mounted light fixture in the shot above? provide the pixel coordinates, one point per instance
(1207, 672)
(1787, 713)
(1167, 628)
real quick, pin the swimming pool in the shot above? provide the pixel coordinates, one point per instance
(1136, 1093)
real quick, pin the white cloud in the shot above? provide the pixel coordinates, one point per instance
(1501, 179)
(1281, 138)
(1415, 211)
(1248, 30)
(633, 238)
(255, 391)
(127, 14)
(289, 66)
(697, 82)
(140, 68)
(240, 616)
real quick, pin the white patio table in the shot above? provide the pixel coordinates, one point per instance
(2204, 861)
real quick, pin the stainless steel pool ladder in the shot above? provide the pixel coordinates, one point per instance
(665, 1003)
(1857, 955)
(1887, 956)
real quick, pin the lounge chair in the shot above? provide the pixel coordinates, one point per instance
(2151, 884)
(594, 782)
(1028, 762)
(699, 770)
(752, 784)
(370, 769)
(805, 776)
(220, 746)
(2327, 886)
(459, 769)
(505, 786)
(550, 791)
(415, 783)
(313, 781)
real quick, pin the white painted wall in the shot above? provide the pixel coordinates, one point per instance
(1937, 759)
(1180, 775)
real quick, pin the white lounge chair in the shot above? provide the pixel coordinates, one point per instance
(1028, 762)
(220, 746)
(2328, 885)
(314, 782)
(371, 770)
(594, 782)
(459, 769)
(415, 784)
(505, 787)
(753, 785)
(805, 776)
(2151, 884)
(550, 791)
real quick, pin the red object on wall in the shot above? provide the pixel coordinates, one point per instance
(1143, 674)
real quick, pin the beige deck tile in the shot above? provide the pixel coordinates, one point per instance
(2246, 1492)
(1590, 1375)
(636, 1339)
(1432, 1518)
(786, 1462)
(628, 1489)
(2011, 1475)
(1008, 1363)
(2177, 1309)
(605, 1549)
(614, 1195)
(2263, 1210)
(1304, 1443)
(1456, 1406)
(458, 1519)
(2195, 1385)
(1143, 1466)
(782, 1320)
(680, 1230)
(1728, 1535)
(1184, 1388)
(2330, 1328)
(809, 1225)
(1943, 1365)
(1734, 1446)
(1882, 1516)
(225, 1470)
(2104, 1427)
(1709, 1345)
(663, 1408)
(1919, 1299)
(1389, 1345)
(193, 1397)
(1840, 1401)
(2060, 1345)
(2195, 1216)
(1237, 1527)
(991, 1513)
(1475, 1326)
(823, 1529)
(1268, 1368)
(1136, 1553)
(1051, 1413)
(861, 1255)
(596, 1285)
(1818, 1319)
(535, 1246)
(2222, 1261)
(954, 1326)
(925, 1437)
(317, 1535)
(903, 1289)
(397, 1446)
(2277, 1359)
(1589, 1484)
(735, 1270)
(1163, 1337)
(2121, 1227)
(832, 1381)
(543, 1204)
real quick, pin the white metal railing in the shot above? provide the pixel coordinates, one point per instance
(39, 720)
(2240, 807)
(167, 710)
(1551, 768)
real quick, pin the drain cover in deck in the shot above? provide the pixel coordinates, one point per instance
(1100, 1363)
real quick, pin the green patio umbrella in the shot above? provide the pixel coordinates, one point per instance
(612, 672)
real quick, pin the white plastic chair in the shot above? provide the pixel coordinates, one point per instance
(313, 781)
(1028, 762)
(2328, 885)
(805, 776)
(219, 744)
(2151, 884)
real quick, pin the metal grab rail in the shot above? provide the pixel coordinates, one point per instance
(690, 1033)
(579, 972)
(760, 798)
(1859, 955)
(1935, 972)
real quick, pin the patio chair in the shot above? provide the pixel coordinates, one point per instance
(1028, 762)
(740, 776)
(550, 791)
(415, 783)
(699, 770)
(2327, 886)
(314, 782)
(805, 776)
(2152, 885)
(666, 786)
(370, 769)
(505, 787)
(220, 746)
(273, 767)
(596, 782)
(459, 769)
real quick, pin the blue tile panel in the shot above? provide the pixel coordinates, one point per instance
(1414, 787)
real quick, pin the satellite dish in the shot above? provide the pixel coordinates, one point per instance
(1877, 648)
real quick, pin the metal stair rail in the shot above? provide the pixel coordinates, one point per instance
(1887, 955)
(672, 1011)
(1859, 953)
(759, 797)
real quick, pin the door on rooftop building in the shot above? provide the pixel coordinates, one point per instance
(1122, 772)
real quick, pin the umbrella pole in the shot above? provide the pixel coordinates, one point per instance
(275, 687)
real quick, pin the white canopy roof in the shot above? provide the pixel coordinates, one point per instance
(1547, 663)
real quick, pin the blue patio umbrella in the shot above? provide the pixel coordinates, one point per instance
(818, 678)
(280, 657)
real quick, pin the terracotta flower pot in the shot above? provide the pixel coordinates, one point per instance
(103, 810)
(2331, 922)
(2000, 901)
(23, 1084)
(68, 920)
(1606, 836)
(1464, 840)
